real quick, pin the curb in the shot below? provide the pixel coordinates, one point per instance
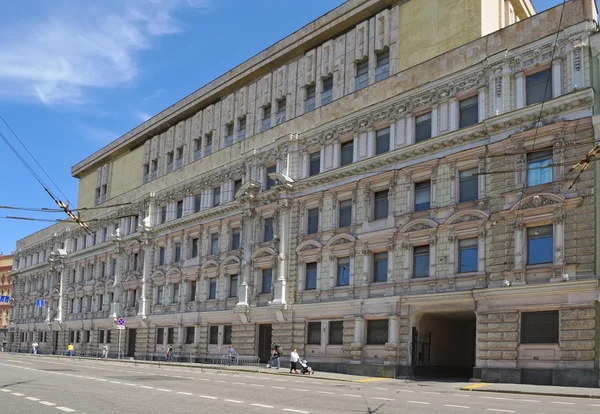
(538, 393)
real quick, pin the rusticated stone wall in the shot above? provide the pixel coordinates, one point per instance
(577, 334)
(243, 337)
(498, 336)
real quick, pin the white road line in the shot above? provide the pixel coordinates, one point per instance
(208, 397)
(235, 401)
(431, 392)
(129, 384)
(115, 382)
(299, 389)
(219, 381)
(101, 379)
(188, 378)
(184, 393)
(281, 379)
(162, 389)
(531, 401)
(497, 398)
(92, 378)
(456, 406)
(296, 411)
(256, 385)
(384, 399)
(500, 411)
(49, 404)
(204, 379)
(239, 383)
(378, 388)
(280, 388)
(561, 402)
(461, 395)
(262, 405)
(146, 387)
(17, 394)
(322, 392)
(66, 409)
(405, 390)
(351, 395)
(418, 402)
(594, 405)
(4, 390)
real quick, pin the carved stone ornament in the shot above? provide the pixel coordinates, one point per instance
(537, 201)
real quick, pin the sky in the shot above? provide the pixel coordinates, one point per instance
(76, 75)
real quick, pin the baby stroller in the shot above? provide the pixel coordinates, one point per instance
(304, 368)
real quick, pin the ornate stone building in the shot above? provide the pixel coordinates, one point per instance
(385, 202)
(6, 263)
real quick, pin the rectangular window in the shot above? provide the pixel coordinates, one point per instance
(145, 173)
(268, 231)
(468, 112)
(311, 276)
(197, 203)
(313, 333)
(197, 149)
(192, 291)
(175, 298)
(345, 213)
(228, 135)
(327, 93)
(180, 209)
(362, 75)
(169, 162)
(314, 161)
(87, 337)
(313, 221)
(336, 333)
(170, 335)
(209, 144)
(177, 252)
(343, 271)
(179, 157)
(380, 267)
(421, 261)
(539, 327)
(381, 205)
(538, 87)
(467, 255)
(154, 169)
(212, 288)
(233, 285)
(347, 153)
(423, 127)
(189, 334)
(160, 336)
(163, 214)
(309, 103)
(237, 184)
(423, 195)
(242, 129)
(71, 339)
(136, 261)
(161, 256)
(281, 105)
(101, 336)
(266, 120)
(214, 243)
(539, 168)
(382, 70)
(235, 239)
(216, 196)
(78, 336)
(195, 243)
(267, 280)
(540, 245)
(269, 182)
(382, 141)
(377, 332)
(227, 329)
(469, 185)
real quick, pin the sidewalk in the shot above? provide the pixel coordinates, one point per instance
(548, 390)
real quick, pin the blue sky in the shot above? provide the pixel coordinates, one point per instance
(76, 75)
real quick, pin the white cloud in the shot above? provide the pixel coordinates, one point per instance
(54, 58)
(143, 116)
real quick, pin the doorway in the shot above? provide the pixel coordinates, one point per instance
(131, 343)
(54, 342)
(265, 339)
(443, 345)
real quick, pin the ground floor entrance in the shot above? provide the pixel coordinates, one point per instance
(443, 345)
(265, 338)
(131, 333)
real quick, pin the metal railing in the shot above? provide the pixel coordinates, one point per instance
(235, 361)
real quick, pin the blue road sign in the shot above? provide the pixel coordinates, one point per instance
(39, 303)
(4, 299)
(121, 321)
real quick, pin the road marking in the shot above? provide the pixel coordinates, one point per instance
(17, 394)
(91, 378)
(405, 391)
(500, 411)
(461, 395)
(299, 389)
(32, 398)
(281, 379)
(531, 401)
(594, 405)
(431, 392)
(561, 402)
(378, 388)
(384, 399)
(455, 406)
(256, 385)
(66, 409)
(372, 379)
(208, 397)
(205, 379)
(184, 393)
(49, 404)
(162, 389)
(296, 411)
(115, 382)
(239, 383)
(218, 381)
(146, 387)
(497, 398)
(474, 386)
(322, 392)
(4, 390)
(235, 401)
(262, 405)
(280, 388)
(351, 395)
(101, 379)
(418, 402)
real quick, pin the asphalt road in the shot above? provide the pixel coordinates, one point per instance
(49, 385)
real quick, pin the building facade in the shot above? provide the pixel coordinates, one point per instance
(388, 203)
(6, 265)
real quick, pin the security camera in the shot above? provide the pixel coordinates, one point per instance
(507, 283)
(565, 277)
(269, 303)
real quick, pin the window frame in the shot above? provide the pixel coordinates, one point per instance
(314, 160)
(344, 205)
(327, 92)
(383, 140)
(421, 253)
(417, 190)
(462, 249)
(468, 111)
(312, 219)
(339, 275)
(310, 98)
(370, 328)
(313, 271)
(214, 244)
(546, 92)
(266, 120)
(381, 204)
(346, 148)
(242, 125)
(268, 229)
(379, 257)
(382, 65)
(537, 249)
(361, 79)
(212, 288)
(266, 274)
(313, 328)
(280, 115)
(423, 127)
(468, 180)
(540, 157)
(551, 338)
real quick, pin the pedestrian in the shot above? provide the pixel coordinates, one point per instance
(70, 350)
(232, 355)
(34, 348)
(275, 354)
(104, 350)
(294, 358)
(169, 353)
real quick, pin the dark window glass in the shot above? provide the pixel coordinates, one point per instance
(212, 288)
(382, 69)
(423, 195)
(309, 103)
(377, 332)
(468, 112)
(380, 267)
(280, 116)
(197, 149)
(267, 279)
(362, 75)
(539, 87)
(216, 196)
(189, 334)
(345, 213)
(423, 127)
(382, 141)
(214, 243)
(233, 286)
(177, 252)
(421, 261)
(175, 298)
(539, 327)
(467, 255)
(108, 334)
(313, 221)
(228, 135)
(469, 185)
(208, 147)
(314, 163)
(237, 184)
(347, 153)
(169, 162)
(180, 209)
(269, 181)
(343, 271)
(213, 335)
(101, 336)
(381, 205)
(227, 334)
(311, 276)
(539, 168)
(235, 239)
(242, 129)
(160, 336)
(268, 233)
(266, 120)
(313, 336)
(336, 333)
(195, 247)
(327, 93)
(161, 256)
(540, 245)
(192, 292)
(170, 336)
(163, 215)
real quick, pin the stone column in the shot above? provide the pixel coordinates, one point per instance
(518, 245)
(247, 227)
(279, 288)
(359, 329)
(61, 293)
(577, 57)
(116, 305)
(482, 97)
(520, 90)
(454, 114)
(556, 77)
(434, 121)
(144, 302)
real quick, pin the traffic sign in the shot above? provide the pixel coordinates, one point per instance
(121, 321)
(121, 327)
(4, 299)
(40, 303)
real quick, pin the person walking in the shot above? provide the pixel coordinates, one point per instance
(275, 354)
(104, 350)
(70, 349)
(34, 348)
(232, 355)
(169, 353)
(294, 358)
